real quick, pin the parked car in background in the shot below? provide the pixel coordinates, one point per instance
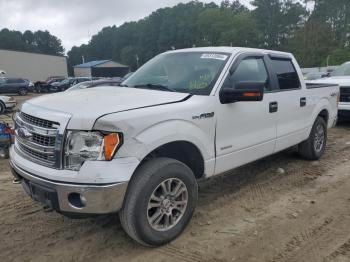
(30, 85)
(54, 77)
(184, 116)
(89, 84)
(7, 103)
(341, 77)
(67, 83)
(315, 76)
(44, 87)
(14, 86)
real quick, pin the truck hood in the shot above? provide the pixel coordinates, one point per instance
(338, 80)
(87, 105)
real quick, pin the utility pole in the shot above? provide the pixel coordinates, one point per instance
(328, 60)
(137, 60)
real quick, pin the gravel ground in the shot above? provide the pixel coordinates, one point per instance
(281, 208)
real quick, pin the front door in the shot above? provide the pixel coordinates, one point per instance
(246, 131)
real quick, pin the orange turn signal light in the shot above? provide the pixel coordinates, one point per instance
(111, 143)
(251, 94)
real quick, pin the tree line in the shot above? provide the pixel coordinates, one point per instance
(37, 42)
(317, 32)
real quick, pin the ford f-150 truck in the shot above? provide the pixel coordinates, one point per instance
(341, 77)
(186, 115)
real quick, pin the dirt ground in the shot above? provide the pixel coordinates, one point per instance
(281, 208)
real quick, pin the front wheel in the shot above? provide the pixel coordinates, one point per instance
(314, 147)
(160, 201)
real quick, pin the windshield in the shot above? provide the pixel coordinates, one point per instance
(343, 70)
(81, 85)
(66, 81)
(188, 72)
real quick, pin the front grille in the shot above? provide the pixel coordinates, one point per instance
(44, 140)
(36, 139)
(344, 94)
(38, 121)
(37, 155)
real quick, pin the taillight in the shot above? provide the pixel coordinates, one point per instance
(338, 97)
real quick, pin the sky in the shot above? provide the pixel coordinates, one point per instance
(75, 21)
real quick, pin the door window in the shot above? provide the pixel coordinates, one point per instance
(251, 69)
(14, 81)
(287, 76)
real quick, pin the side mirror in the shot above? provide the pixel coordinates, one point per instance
(243, 91)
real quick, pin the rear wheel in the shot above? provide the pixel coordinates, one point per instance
(314, 147)
(160, 201)
(23, 92)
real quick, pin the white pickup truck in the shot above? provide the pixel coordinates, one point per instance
(341, 77)
(186, 115)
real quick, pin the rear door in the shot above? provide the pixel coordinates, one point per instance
(292, 101)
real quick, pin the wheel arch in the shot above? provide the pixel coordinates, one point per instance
(323, 110)
(183, 151)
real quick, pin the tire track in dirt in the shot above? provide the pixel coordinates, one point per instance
(306, 245)
(187, 255)
(343, 250)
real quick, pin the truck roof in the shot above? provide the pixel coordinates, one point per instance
(228, 49)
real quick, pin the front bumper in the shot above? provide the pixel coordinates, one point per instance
(344, 106)
(70, 197)
(10, 105)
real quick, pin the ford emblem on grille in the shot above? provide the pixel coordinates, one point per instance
(24, 133)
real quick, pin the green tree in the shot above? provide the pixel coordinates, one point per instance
(39, 42)
(277, 20)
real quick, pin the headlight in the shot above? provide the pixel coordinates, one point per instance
(81, 146)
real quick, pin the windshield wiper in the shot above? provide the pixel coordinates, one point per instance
(156, 87)
(123, 85)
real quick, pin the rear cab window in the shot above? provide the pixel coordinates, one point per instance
(287, 76)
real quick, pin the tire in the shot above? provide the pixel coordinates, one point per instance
(314, 147)
(2, 108)
(137, 211)
(22, 91)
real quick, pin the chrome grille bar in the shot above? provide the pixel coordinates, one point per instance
(36, 139)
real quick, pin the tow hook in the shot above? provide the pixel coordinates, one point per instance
(16, 181)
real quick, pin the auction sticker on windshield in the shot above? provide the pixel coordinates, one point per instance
(214, 56)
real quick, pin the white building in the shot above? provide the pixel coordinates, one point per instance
(32, 66)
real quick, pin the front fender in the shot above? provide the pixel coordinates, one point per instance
(146, 129)
(171, 131)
